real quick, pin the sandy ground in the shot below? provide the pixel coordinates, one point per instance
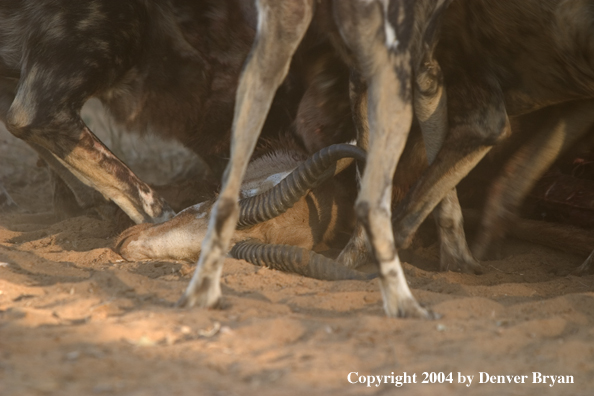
(77, 320)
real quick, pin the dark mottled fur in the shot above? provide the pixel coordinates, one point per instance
(503, 59)
(383, 42)
(169, 67)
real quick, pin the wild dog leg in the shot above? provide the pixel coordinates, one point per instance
(478, 120)
(281, 26)
(60, 69)
(76, 148)
(564, 126)
(357, 251)
(84, 196)
(431, 111)
(385, 66)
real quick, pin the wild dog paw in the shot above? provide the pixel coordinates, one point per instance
(408, 308)
(203, 293)
(354, 257)
(467, 265)
(357, 252)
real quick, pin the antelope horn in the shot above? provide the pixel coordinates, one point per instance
(295, 259)
(280, 198)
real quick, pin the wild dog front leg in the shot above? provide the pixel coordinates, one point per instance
(59, 71)
(70, 143)
(564, 125)
(85, 196)
(385, 65)
(478, 120)
(357, 251)
(431, 111)
(281, 26)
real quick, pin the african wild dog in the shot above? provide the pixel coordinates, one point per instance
(495, 58)
(382, 41)
(429, 102)
(157, 63)
(498, 60)
(166, 66)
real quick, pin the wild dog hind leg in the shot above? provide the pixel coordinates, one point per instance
(431, 110)
(370, 32)
(357, 251)
(477, 121)
(563, 126)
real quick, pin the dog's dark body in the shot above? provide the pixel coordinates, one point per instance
(383, 42)
(163, 64)
(499, 60)
(57, 54)
(496, 60)
(491, 53)
(169, 67)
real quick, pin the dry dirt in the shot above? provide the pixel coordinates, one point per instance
(77, 320)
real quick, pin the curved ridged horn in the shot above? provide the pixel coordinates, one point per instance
(295, 259)
(280, 198)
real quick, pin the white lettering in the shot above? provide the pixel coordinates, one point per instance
(552, 377)
(349, 377)
(465, 378)
(470, 378)
(483, 377)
